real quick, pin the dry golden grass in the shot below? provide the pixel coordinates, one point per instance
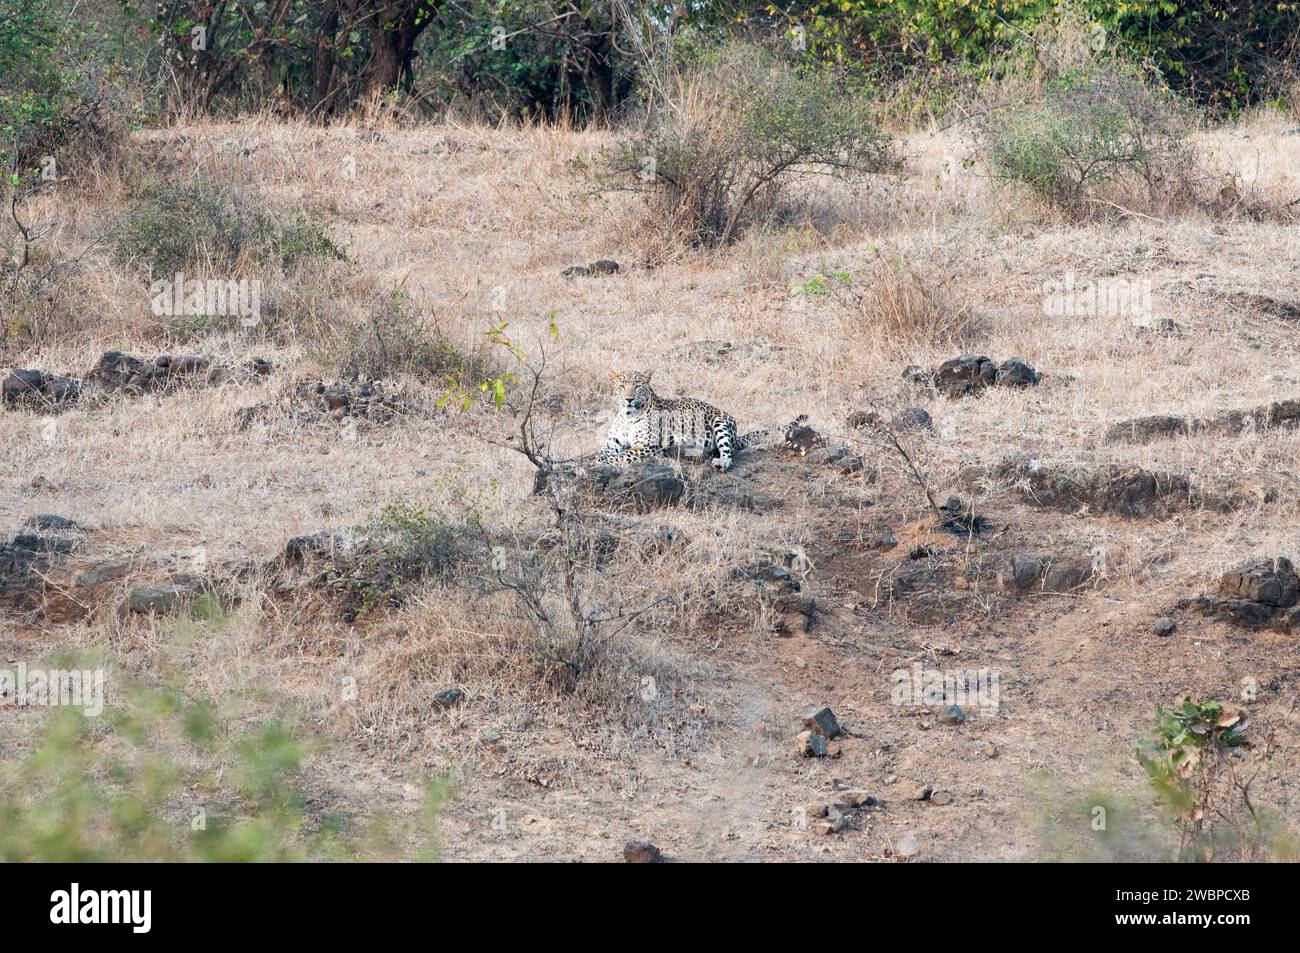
(475, 225)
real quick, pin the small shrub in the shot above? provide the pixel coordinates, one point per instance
(202, 223)
(51, 96)
(717, 147)
(1097, 135)
(901, 301)
(1201, 763)
(165, 778)
(395, 339)
(400, 546)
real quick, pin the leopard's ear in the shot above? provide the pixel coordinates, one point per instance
(614, 376)
(646, 374)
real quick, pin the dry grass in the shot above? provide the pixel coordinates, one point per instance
(475, 226)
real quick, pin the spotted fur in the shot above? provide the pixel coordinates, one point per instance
(646, 425)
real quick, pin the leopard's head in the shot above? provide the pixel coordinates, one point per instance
(631, 391)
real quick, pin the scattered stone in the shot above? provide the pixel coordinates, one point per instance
(313, 401)
(158, 599)
(833, 824)
(907, 847)
(49, 521)
(800, 439)
(840, 458)
(448, 697)
(603, 267)
(916, 374)
(1283, 414)
(906, 420)
(1165, 626)
(38, 390)
(1160, 325)
(968, 374)
(811, 744)
(923, 792)
(640, 487)
(941, 798)
(952, 715)
(1258, 593)
(1146, 429)
(1014, 372)
(823, 721)
(990, 750)
(1126, 491)
(964, 375)
(490, 735)
(858, 799)
(642, 852)
(116, 372)
(1048, 574)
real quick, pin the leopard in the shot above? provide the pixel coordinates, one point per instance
(647, 425)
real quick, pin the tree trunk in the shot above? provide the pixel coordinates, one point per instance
(396, 28)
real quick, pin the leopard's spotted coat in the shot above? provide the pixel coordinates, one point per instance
(646, 425)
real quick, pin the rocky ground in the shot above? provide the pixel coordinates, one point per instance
(765, 664)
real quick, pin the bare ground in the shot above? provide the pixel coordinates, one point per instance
(476, 226)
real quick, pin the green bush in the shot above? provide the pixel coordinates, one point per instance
(1094, 131)
(1201, 761)
(718, 142)
(403, 545)
(166, 778)
(201, 223)
(49, 95)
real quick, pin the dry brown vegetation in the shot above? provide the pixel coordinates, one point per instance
(452, 230)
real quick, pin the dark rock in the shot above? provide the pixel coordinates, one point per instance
(1023, 573)
(299, 549)
(1237, 611)
(38, 390)
(642, 852)
(1164, 626)
(952, 715)
(766, 573)
(646, 486)
(157, 599)
(48, 521)
(811, 744)
(800, 439)
(840, 458)
(906, 420)
(448, 697)
(964, 375)
(1146, 429)
(604, 267)
(1272, 582)
(912, 418)
(1283, 414)
(1127, 491)
(1014, 372)
(916, 374)
(823, 721)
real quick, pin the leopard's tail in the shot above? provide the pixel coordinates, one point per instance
(769, 438)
